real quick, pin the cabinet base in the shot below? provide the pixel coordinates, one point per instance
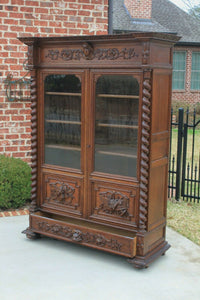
(142, 262)
(116, 241)
(92, 235)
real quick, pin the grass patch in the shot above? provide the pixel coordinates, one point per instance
(184, 218)
(189, 145)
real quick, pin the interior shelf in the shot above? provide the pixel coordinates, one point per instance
(63, 147)
(117, 125)
(64, 122)
(117, 96)
(62, 94)
(98, 151)
(116, 150)
(116, 154)
(99, 95)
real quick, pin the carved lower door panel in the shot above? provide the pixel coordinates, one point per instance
(63, 193)
(99, 237)
(113, 203)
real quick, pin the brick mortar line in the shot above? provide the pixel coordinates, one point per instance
(14, 213)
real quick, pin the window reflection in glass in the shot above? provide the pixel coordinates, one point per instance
(116, 124)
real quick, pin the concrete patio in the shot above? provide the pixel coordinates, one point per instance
(51, 269)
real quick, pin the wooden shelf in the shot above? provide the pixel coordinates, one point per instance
(100, 151)
(116, 154)
(98, 95)
(62, 94)
(117, 125)
(64, 147)
(64, 122)
(117, 96)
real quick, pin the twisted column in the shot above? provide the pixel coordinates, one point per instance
(145, 143)
(33, 206)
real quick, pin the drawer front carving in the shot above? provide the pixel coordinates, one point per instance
(113, 202)
(63, 192)
(86, 236)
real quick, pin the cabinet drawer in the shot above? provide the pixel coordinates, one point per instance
(82, 232)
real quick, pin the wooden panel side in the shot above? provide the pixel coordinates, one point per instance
(157, 195)
(160, 54)
(159, 145)
(161, 107)
(161, 102)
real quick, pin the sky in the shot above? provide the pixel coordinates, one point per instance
(181, 4)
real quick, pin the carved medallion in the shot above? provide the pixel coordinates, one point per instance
(88, 51)
(114, 203)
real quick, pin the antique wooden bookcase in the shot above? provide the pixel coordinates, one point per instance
(100, 135)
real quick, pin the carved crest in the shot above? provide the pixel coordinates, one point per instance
(88, 51)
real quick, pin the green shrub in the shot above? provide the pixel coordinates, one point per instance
(15, 182)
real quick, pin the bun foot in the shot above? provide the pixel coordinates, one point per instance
(30, 234)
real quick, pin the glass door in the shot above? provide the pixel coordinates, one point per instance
(116, 125)
(113, 177)
(62, 118)
(62, 172)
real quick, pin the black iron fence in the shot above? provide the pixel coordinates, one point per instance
(184, 158)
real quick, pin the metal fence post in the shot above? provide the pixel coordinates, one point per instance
(179, 152)
(185, 133)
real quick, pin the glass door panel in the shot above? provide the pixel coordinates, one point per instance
(62, 113)
(116, 124)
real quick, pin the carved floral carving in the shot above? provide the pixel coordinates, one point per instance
(61, 192)
(89, 53)
(79, 236)
(113, 202)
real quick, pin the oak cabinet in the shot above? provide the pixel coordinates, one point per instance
(100, 136)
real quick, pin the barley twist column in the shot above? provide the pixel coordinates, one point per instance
(145, 143)
(33, 207)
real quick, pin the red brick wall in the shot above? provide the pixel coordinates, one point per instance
(140, 9)
(36, 18)
(187, 97)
